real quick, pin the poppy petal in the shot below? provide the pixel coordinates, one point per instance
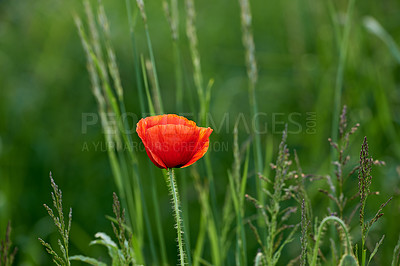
(172, 145)
(170, 119)
(172, 141)
(155, 159)
(201, 147)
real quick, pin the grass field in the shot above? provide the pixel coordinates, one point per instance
(77, 76)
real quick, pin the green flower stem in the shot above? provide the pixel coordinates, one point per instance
(319, 235)
(174, 191)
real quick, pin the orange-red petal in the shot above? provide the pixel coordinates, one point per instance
(173, 141)
(170, 119)
(201, 147)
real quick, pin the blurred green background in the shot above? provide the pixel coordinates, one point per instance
(45, 92)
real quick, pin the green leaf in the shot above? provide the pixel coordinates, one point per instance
(258, 259)
(87, 260)
(373, 26)
(244, 177)
(348, 260)
(115, 254)
(287, 240)
(234, 193)
(376, 249)
(396, 253)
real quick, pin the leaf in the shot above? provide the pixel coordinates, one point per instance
(87, 260)
(374, 27)
(288, 239)
(113, 250)
(233, 193)
(244, 178)
(396, 253)
(258, 259)
(376, 249)
(105, 239)
(348, 260)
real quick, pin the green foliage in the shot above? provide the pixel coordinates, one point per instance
(348, 260)
(304, 236)
(274, 216)
(87, 260)
(301, 56)
(336, 195)
(237, 185)
(125, 244)
(63, 229)
(373, 26)
(364, 183)
(7, 254)
(120, 255)
(108, 91)
(378, 244)
(396, 253)
(319, 233)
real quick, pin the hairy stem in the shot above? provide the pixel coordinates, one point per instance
(176, 205)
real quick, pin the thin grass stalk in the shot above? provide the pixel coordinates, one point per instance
(336, 28)
(172, 13)
(178, 75)
(396, 253)
(122, 125)
(102, 105)
(137, 188)
(203, 97)
(240, 253)
(95, 39)
(339, 82)
(127, 185)
(152, 178)
(154, 193)
(154, 190)
(111, 100)
(242, 190)
(200, 241)
(146, 87)
(141, 206)
(173, 19)
(195, 56)
(157, 95)
(340, 72)
(228, 217)
(238, 186)
(176, 206)
(210, 220)
(136, 62)
(157, 217)
(198, 80)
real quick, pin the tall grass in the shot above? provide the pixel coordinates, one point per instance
(7, 252)
(252, 73)
(225, 233)
(111, 102)
(343, 42)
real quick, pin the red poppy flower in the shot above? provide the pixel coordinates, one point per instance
(172, 141)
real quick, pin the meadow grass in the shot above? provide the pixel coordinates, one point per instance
(252, 204)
